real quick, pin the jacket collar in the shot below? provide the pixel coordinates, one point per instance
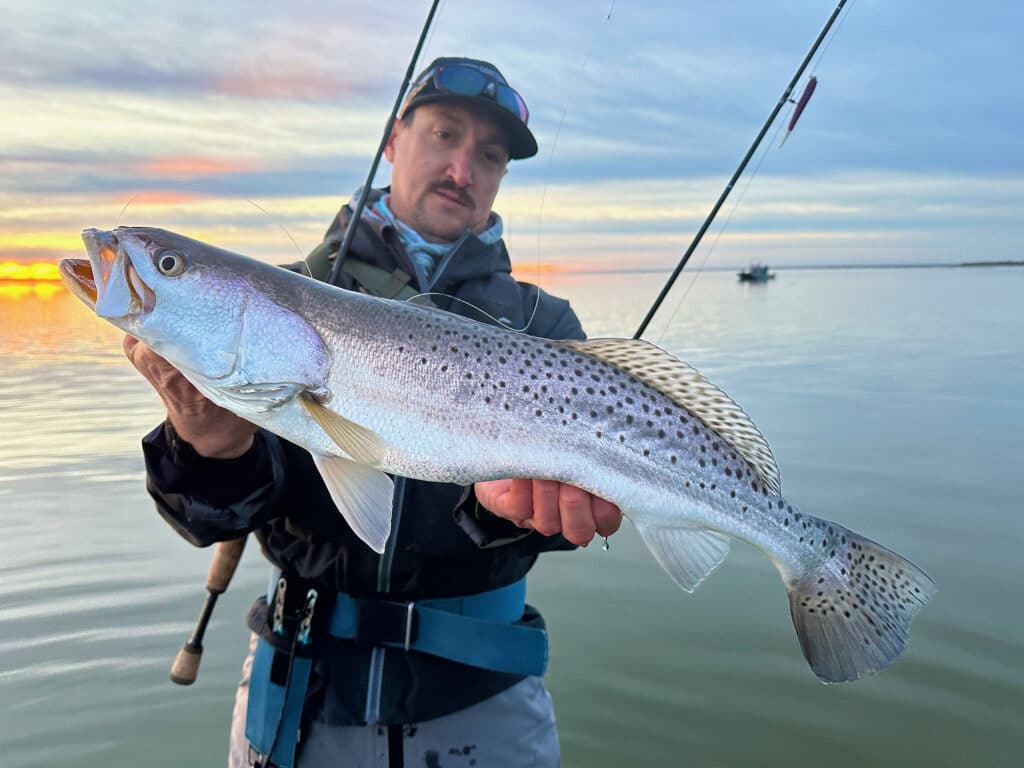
(469, 259)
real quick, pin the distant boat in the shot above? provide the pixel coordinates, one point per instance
(757, 273)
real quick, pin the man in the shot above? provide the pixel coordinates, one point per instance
(365, 659)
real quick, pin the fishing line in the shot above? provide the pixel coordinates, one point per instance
(125, 208)
(302, 256)
(769, 147)
(496, 320)
(739, 170)
(833, 36)
(364, 191)
(550, 161)
(828, 44)
(540, 217)
(763, 155)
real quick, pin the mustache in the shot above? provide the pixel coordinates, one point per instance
(450, 186)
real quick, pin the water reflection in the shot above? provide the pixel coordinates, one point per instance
(43, 320)
(891, 400)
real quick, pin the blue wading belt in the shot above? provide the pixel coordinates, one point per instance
(478, 630)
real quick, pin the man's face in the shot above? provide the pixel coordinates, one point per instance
(446, 168)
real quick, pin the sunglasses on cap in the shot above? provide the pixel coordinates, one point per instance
(461, 80)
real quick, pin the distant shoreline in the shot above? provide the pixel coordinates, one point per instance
(524, 269)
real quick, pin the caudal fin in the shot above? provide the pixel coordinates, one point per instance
(853, 613)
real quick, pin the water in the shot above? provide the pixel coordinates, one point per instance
(892, 399)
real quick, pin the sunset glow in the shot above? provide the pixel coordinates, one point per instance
(250, 141)
(183, 165)
(12, 270)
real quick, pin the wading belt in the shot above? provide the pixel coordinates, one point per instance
(478, 630)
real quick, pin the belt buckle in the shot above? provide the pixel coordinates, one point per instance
(410, 608)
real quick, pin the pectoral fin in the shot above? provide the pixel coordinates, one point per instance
(362, 444)
(362, 495)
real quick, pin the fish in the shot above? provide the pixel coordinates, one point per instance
(373, 387)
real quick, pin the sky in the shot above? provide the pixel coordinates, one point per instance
(247, 124)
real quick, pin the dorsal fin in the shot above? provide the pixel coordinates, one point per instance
(688, 388)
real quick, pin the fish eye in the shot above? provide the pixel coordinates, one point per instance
(170, 263)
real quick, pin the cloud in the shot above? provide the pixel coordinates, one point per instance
(190, 166)
(185, 111)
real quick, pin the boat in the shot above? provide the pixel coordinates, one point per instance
(757, 273)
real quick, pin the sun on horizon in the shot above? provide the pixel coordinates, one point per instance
(37, 272)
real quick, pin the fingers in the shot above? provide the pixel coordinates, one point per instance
(547, 517)
(128, 344)
(577, 508)
(550, 507)
(165, 378)
(607, 517)
(510, 499)
(211, 430)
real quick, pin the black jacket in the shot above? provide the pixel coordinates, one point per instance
(442, 544)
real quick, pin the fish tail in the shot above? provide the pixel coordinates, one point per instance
(852, 612)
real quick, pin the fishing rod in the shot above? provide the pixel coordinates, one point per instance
(185, 668)
(364, 193)
(739, 171)
(225, 561)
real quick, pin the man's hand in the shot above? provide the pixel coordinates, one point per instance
(211, 430)
(550, 507)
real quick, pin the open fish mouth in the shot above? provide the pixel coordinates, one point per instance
(107, 281)
(77, 276)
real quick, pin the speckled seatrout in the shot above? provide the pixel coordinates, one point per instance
(370, 386)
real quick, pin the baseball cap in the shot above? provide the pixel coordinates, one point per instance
(481, 83)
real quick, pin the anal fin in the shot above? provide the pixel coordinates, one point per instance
(688, 555)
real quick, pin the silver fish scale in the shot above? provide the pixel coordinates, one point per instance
(518, 377)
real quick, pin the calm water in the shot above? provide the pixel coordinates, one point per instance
(892, 400)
